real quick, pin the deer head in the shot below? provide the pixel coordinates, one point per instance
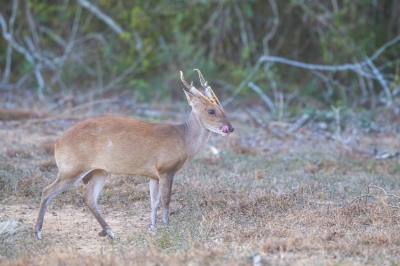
(207, 107)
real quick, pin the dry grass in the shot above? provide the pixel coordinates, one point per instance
(285, 199)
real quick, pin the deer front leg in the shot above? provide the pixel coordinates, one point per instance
(165, 192)
(155, 199)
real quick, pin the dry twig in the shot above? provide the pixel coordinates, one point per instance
(368, 195)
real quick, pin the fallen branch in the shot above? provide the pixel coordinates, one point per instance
(266, 99)
(356, 67)
(299, 123)
(387, 155)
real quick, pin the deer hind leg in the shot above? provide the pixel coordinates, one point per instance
(62, 183)
(165, 193)
(155, 199)
(95, 185)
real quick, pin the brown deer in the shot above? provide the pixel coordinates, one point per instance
(92, 149)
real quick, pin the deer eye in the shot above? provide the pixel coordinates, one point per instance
(211, 112)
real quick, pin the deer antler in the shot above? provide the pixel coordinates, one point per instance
(184, 82)
(191, 88)
(207, 89)
(202, 80)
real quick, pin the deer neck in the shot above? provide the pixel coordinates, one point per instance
(194, 134)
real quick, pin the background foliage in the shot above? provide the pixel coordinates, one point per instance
(74, 49)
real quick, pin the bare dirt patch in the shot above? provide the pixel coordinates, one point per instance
(76, 227)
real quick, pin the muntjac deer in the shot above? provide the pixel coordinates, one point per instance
(92, 149)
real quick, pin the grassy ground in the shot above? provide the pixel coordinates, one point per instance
(288, 198)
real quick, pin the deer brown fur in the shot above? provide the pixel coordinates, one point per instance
(92, 149)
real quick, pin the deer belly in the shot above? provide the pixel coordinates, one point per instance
(126, 159)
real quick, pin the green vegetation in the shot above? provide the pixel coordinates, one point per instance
(147, 43)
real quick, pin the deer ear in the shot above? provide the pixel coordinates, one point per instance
(191, 98)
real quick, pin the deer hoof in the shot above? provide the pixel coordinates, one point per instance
(107, 232)
(38, 234)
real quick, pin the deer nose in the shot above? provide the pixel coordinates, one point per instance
(231, 129)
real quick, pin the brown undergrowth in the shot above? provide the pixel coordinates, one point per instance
(286, 199)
